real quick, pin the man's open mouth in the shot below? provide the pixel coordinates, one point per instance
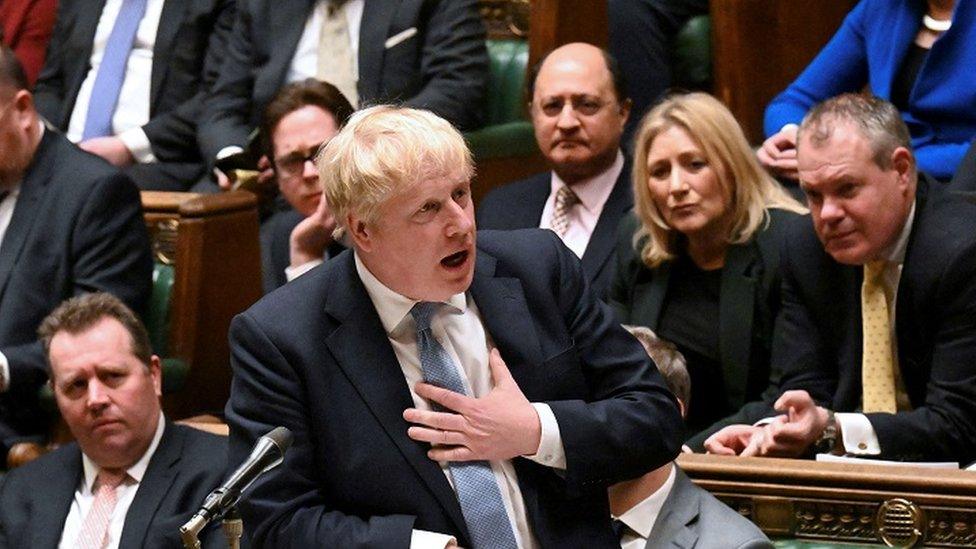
(455, 260)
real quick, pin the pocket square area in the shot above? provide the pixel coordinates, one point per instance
(399, 37)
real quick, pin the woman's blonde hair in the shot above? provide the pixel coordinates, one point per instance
(382, 151)
(710, 124)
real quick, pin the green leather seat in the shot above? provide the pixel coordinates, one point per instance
(507, 131)
(693, 54)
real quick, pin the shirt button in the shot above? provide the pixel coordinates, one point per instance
(862, 446)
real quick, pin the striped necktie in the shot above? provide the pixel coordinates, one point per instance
(94, 530)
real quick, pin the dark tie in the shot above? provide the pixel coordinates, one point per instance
(111, 72)
(619, 529)
(478, 493)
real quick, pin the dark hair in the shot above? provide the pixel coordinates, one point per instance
(616, 76)
(11, 70)
(81, 313)
(296, 95)
(877, 120)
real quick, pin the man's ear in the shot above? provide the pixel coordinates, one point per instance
(24, 107)
(903, 161)
(156, 371)
(358, 231)
(625, 108)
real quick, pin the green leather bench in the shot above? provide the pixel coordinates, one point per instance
(507, 132)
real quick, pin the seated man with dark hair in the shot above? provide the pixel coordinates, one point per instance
(301, 119)
(664, 507)
(132, 478)
(69, 223)
(878, 320)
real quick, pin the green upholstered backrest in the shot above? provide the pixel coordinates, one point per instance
(693, 54)
(506, 84)
(157, 317)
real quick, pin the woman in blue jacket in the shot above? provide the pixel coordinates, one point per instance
(918, 54)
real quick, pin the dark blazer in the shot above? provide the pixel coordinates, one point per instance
(77, 227)
(26, 26)
(965, 178)
(35, 498)
(748, 302)
(354, 479)
(693, 518)
(442, 68)
(189, 45)
(276, 248)
(519, 205)
(817, 338)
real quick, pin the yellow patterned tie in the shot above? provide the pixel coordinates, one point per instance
(335, 58)
(877, 366)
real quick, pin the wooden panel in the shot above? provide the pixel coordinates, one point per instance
(557, 22)
(217, 275)
(844, 502)
(760, 46)
(496, 172)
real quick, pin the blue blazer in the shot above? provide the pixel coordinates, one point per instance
(314, 357)
(869, 49)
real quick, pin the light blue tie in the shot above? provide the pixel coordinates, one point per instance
(474, 482)
(111, 73)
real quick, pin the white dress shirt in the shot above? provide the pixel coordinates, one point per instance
(458, 327)
(857, 433)
(132, 109)
(305, 62)
(640, 518)
(125, 493)
(583, 217)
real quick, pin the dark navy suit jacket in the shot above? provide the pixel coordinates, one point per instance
(519, 205)
(313, 356)
(35, 498)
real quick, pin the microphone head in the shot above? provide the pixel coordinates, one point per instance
(281, 437)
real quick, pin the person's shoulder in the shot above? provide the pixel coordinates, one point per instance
(720, 519)
(41, 469)
(308, 294)
(517, 243)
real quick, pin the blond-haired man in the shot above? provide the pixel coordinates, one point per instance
(378, 343)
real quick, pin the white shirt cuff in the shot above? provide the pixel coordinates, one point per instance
(293, 272)
(229, 150)
(4, 373)
(422, 539)
(138, 144)
(858, 435)
(551, 452)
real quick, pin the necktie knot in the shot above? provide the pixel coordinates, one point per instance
(422, 312)
(565, 200)
(619, 528)
(874, 269)
(109, 479)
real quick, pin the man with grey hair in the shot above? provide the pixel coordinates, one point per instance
(445, 387)
(902, 381)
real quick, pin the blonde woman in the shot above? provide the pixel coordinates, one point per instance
(698, 259)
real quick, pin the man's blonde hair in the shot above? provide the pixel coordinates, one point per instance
(710, 124)
(381, 152)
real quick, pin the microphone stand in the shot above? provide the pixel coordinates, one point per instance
(233, 527)
(190, 531)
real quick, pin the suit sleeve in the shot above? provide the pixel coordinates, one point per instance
(454, 65)
(944, 427)
(629, 424)
(841, 66)
(111, 253)
(287, 509)
(225, 115)
(173, 134)
(49, 88)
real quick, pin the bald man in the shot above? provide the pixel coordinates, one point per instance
(579, 109)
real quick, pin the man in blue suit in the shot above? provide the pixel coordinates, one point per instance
(445, 387)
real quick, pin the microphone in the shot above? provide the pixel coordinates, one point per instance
(268, 452)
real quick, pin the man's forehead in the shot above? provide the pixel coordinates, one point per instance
(573, 75)
(838, 155)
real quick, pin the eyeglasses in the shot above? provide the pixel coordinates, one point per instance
(294, 163)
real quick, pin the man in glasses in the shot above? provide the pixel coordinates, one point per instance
(579, 109)
(298, 121)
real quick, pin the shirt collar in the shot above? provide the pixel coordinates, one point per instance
(641, 517)
(895, 255)
(593, 192)
(392, 307)
(136, 471)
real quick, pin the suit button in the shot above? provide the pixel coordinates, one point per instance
(862, 446)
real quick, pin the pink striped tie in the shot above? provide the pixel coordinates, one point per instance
(95, 528)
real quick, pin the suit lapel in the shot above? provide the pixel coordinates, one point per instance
(673, 527)
(377, 16)
(32, 190)
(156, 483)
(507, 319)
(169, 23)
(649, 292)
(287, 24)
(364, 353)
(736, 311)
(604, 236)
(48, 521)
